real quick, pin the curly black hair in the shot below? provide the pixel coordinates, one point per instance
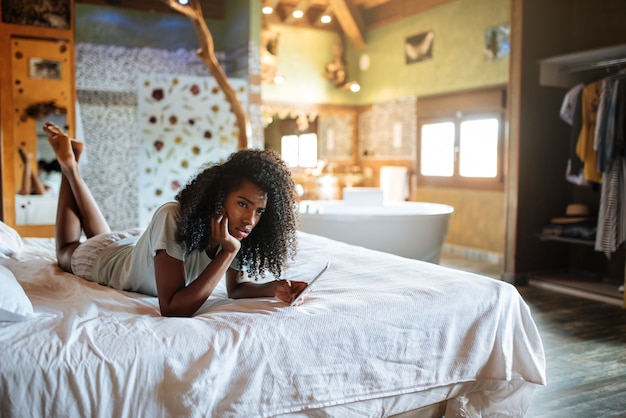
(273, 241)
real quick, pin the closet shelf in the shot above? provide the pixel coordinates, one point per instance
(545, 237)
(580, 67)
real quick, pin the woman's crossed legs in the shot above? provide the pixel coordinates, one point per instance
(77, 210)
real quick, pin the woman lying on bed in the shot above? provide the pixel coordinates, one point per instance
(237, 218)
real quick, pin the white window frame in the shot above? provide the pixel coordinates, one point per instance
(300, 154)
(455, 179)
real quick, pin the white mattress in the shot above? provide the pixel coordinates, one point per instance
(376, 327)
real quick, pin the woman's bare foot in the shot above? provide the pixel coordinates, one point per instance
(77, 148)
(52, 129)
(61, 144)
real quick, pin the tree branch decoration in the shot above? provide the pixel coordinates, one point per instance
(207, 54)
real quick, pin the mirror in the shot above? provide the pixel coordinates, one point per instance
(294, 138)
(38, 175)
(318, 145)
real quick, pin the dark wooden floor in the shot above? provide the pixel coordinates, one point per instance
(585, 345)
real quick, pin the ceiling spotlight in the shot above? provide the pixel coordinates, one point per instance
(267, 10)
(326, 19)
(183, 2)
(298, 14)
(279, 78)
(353, 86)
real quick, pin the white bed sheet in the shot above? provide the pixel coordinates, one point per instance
(376, 326)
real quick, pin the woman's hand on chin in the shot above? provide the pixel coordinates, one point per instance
(220, 234)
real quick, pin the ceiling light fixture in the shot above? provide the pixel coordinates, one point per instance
(326, 19)
(279, 78)
(353, 86)
(298, 14)
(267, 10)
(183, 2)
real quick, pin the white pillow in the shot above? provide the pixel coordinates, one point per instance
(14, 304)
(10, 241)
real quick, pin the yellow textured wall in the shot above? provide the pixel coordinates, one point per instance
(478, 218)
(457, 60)
(302, 58)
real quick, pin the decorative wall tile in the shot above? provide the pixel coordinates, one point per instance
(335, 135)
(115, 68)
(109, 164)
(389, 130)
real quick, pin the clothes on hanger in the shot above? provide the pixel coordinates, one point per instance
(612, 163)
(597, 114)
(571, 113)
(570, 102)
(586, 138)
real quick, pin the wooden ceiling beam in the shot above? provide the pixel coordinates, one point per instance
(368, 4)
(384, 13)
(350, 21)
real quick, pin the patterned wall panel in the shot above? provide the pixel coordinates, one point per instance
(255, 111)
(335, 135)
(389, 130)
(185, 122)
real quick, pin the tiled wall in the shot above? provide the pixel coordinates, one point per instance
(388, 130)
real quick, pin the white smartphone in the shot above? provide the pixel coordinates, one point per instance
(300, 298)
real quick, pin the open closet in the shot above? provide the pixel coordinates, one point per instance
(594, 224)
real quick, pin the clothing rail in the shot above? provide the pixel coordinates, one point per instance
(597, 65)
(570, 69)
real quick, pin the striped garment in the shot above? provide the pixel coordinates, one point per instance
(87, 252)
(611, 231)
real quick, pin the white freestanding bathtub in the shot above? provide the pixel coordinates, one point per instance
(409, 229)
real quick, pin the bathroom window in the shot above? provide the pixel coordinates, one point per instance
(462, 152)
(299, 150)
(460, 141)
(476, 149)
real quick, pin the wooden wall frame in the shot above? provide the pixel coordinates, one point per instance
(16, 94)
